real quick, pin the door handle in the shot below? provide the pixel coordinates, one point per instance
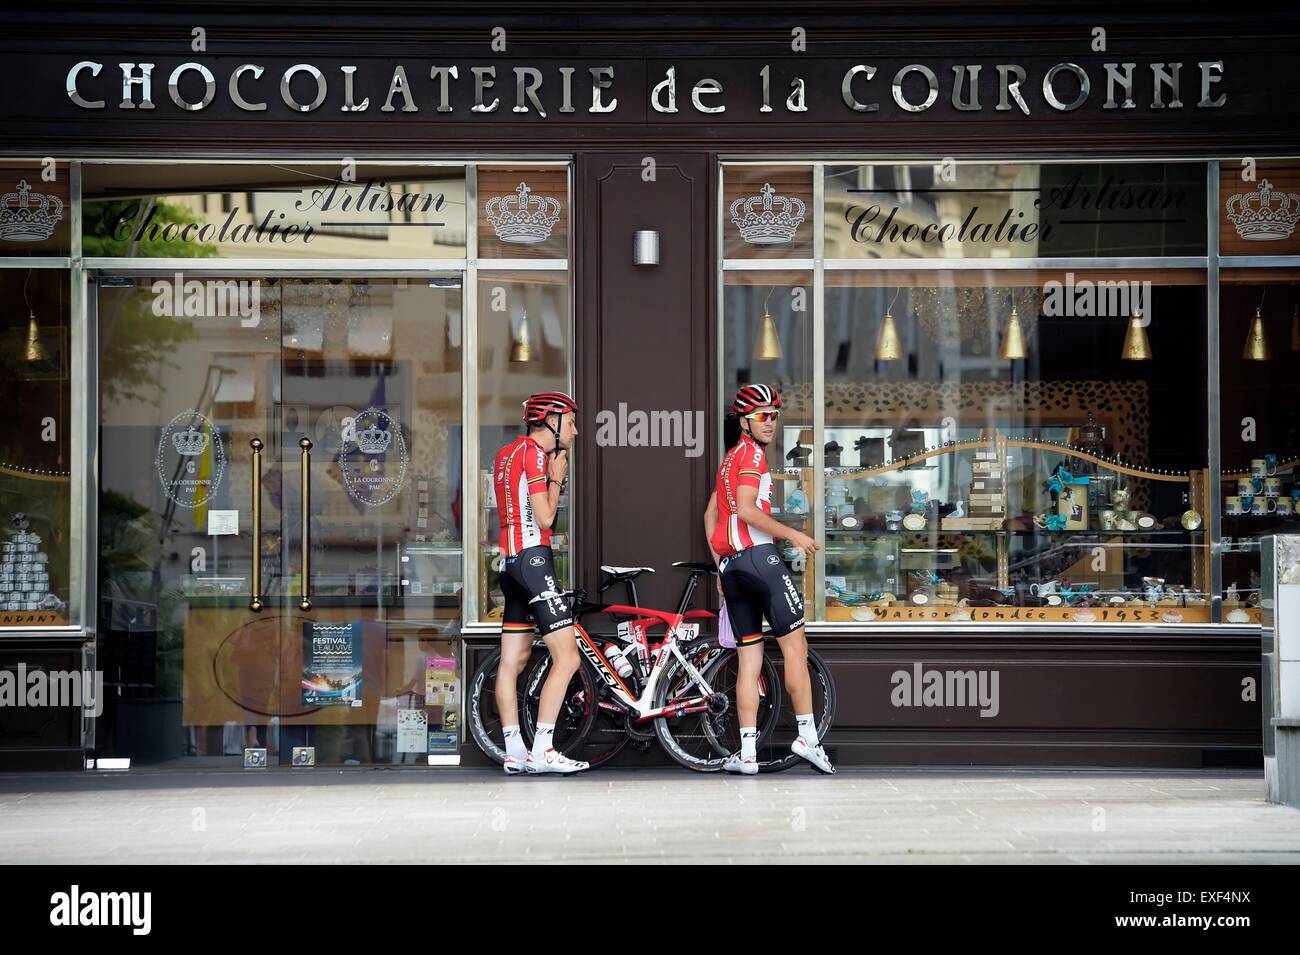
(255, 602)
(305, 602)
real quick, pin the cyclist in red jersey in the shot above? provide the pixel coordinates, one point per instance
(529, 474)
(755, 582)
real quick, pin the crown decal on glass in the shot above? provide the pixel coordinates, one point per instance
(190, 442)
(1264, 214)
(523, 217)
(374, 440)
(27, 216)
(760, 221)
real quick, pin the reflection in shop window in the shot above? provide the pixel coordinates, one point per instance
(524, 343)
(767, 339)
(35, 468)
(295, 210)
(1014, 210)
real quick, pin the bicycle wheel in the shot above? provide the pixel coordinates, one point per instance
(484, 720)
(577, 716)
(691, 739)
(774, 751)
(723, 731)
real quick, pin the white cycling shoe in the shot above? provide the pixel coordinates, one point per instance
(553, 761)
(514, 766)
(735, 764)
(814, 754)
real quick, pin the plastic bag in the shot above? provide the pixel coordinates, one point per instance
(725, 637)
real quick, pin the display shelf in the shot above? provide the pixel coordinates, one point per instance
(1019, 555)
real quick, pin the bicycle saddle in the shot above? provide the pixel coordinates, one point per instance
(625, 573)
(697, 566)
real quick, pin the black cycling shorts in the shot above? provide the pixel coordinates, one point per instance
(523, 577)
(756, 583)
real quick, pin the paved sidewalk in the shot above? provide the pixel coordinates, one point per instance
(474, 815)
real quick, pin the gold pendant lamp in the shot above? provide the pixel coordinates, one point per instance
(769, 342)
(889, 347)
(521, 349)
(1013, 340)
(1256, 344)
(1137, 347)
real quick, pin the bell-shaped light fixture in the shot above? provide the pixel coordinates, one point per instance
(1137, 347)
(1256, 344)
(522, 348)
(768, 346)
(1013, 339)
(35, 350)
(888, 345)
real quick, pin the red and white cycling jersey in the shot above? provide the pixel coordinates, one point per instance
(744, 466)
(520, 472)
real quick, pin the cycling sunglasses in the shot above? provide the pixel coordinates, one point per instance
(762, 415)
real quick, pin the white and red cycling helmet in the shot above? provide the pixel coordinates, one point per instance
(750, 397)
(538, 406)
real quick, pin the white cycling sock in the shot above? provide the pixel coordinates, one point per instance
(542, 741)
(748, 742)
(807, 728)
(514, 742)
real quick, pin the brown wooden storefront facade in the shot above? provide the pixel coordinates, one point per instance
(1069, 695)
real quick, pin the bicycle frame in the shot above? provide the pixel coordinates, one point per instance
(652, 659)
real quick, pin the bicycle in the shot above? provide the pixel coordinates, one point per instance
(593, 723)
(601, 712)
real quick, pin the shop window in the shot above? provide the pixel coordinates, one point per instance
(1015, 446)
(1259, 351)
(285, 210)
(36, 467)
(524, 347)
(767, 322)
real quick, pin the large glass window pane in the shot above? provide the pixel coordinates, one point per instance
(36, 468)
(1259, 322)
(1016, 446)
(1014, 210)
(767, 338)
(524, 347)
(284, 211)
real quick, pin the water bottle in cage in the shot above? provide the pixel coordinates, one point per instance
(622, 666)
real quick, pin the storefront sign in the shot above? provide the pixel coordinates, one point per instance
(544, 89)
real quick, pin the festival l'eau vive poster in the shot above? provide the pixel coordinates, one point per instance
(331, 664)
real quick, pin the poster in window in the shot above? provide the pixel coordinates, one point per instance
(331, 664)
